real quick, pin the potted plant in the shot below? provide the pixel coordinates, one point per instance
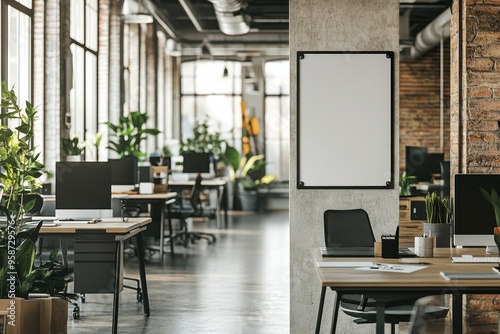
(19, 274)
(203, 141)
(127, 135)
(439, 216)
(405, 182)
(246, 175)
(73, 148)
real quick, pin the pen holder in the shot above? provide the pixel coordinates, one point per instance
(424, 247)
(390, 248)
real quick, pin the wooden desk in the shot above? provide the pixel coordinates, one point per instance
(218, 184)
(158, 201)
(109, 235)
(428, 281)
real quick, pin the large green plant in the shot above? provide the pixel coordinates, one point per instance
(127, 135)
(249, 171)
(18, 158)
(31, 277)
(19, 172)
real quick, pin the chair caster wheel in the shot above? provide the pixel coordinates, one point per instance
(76, 313)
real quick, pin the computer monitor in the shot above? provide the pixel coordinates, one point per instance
(196, 163)
(474, 218)
(422, 164)
(123, 173)
(83, 190)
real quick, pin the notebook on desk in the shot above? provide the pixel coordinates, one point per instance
(358, 252)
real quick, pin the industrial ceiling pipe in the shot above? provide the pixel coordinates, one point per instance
(431, 35)
(231, 17)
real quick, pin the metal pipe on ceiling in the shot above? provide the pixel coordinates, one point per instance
(231, 17)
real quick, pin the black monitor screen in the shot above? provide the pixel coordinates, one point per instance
(123, 171)
(196, 163)
(422, 164)
(83, 185)
(473, 213)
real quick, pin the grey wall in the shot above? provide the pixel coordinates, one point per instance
(340, 25)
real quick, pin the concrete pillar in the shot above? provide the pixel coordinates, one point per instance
(341, 25)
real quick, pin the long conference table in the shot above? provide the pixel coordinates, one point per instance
(427, 281)
(99, 257)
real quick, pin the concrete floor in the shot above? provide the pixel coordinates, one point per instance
(238, 285)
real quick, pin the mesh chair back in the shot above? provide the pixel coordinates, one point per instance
(348, 228)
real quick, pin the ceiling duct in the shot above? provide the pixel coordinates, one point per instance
(231, 17)
(432, 34)
(134, 12)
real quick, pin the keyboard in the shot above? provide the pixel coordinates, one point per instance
(475, 259)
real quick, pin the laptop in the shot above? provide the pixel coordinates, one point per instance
(358, 252)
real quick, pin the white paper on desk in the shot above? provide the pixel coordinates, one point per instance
(390, 268)
(340, 264)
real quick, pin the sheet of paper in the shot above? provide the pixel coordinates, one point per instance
(392, 268)
(340, 264)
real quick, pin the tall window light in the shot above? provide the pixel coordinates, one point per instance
(208, 94)
(16, 32)
(277, 125)
(83, 95)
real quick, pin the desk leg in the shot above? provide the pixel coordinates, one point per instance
(218, 205)
(162, 232)
(456, 322)
(170, 231)
(320, 310)
(142, 271)
(380, 306)
(116, 293)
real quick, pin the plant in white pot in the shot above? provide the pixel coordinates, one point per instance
(73, 148)
(439, 215)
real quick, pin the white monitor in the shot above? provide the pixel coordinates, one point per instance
(83, 190)
(474, 218)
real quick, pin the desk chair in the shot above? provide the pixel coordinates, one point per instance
(184, 211)
(352, 228)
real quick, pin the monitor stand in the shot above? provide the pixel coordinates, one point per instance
(493, 250)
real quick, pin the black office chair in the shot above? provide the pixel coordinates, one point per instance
(183, 211)
(352, 228)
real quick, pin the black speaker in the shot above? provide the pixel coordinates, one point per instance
(418, 210)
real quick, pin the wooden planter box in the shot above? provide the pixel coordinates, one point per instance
(34, 316)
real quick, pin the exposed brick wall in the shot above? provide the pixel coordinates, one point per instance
(419, 103)
(475, 142)
(482, 34)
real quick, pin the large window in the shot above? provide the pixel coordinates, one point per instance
(83, 95)
(16, 32)
(211, 90)
(277, 131)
